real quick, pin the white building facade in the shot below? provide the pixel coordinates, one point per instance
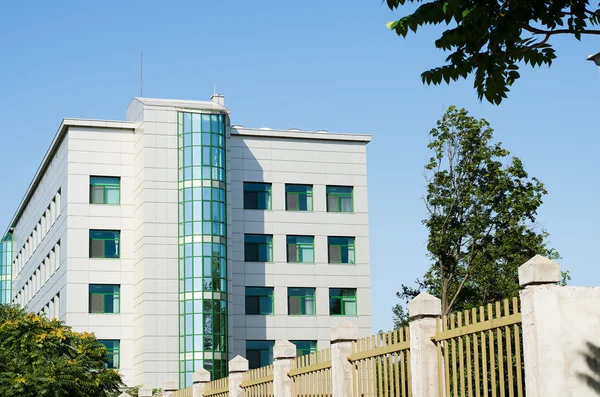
(181, 241)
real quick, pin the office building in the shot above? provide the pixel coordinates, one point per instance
(181, 240)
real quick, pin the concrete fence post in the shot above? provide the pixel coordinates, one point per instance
(237, 366)
(283, 354)
(423, 312)
(169, 388)
(342, 337)
(200, 379)
(145, 392)
(543, 343)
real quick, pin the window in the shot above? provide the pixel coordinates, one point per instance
(301, 249)
(105, 190)
(341, 249)
(105, 298)
(258, 248)
(298, 198)
(259, 300)
(339, 199)
(304, 347)
(257, 196)
(113, 352)
(301, 301)
(105, 243)
(342, 301)
(259, 353)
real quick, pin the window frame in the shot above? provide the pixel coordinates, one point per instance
(269, 350)
(302, 303)
(339, 196)
(298, 247)
(271, 296)
(104, 186)
(312, 349)
(269, 192)
(115, 351)
(116, 295)
(117, 239)
(348, 246)
(268, 243)
(341, 298)
(307, 194)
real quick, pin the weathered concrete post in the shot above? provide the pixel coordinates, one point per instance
(342, 337)
(423, 312)
(237, 366)
(283, 354)
(542, 344)
(200, 379)
(145, 392)
(169, 388)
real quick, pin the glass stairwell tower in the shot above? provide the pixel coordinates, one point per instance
(6, 269)
(202, 245)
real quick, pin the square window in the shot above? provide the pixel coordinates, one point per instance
(104, 298)
(105, 243)
(298, 197)
(113, 353)
(301, 301)
(105, 190)
(259, 300)
(342, 302)
(304, 347)
(341, 250)
(340, 199)
(257, 196)
(259, 353)
(300, 249)
(258, 248)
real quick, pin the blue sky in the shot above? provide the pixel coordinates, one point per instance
(313, 65)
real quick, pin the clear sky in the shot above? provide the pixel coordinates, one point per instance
(308, 64)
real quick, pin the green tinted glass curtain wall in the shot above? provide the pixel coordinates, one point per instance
(202, 246)
(6, 269)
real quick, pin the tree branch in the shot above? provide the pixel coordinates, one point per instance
(557, 31)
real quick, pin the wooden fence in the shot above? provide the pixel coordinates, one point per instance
(187, 392)
(258, 382)
(311, 375)
(217, 388)
(480, 352)
(381, 365)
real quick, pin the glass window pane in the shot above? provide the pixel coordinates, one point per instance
(350, 307)
(97, 195)
(112, 195)
(346, 204)
(251, 252)
(292, 253)
(97, 249)
(291, 202)
(307, 254)
(333, 203)
(96, 303)
(334, 254)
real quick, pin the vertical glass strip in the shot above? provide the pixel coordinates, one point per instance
(6, 253)
(202, 245)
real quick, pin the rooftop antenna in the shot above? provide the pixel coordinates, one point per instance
(214, 89)
(141, 73)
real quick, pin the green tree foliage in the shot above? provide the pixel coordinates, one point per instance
(482, 208)
(491, 38)
(41, 357)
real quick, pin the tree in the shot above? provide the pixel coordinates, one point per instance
(491, 38)
(41, 357)
(482, 208)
